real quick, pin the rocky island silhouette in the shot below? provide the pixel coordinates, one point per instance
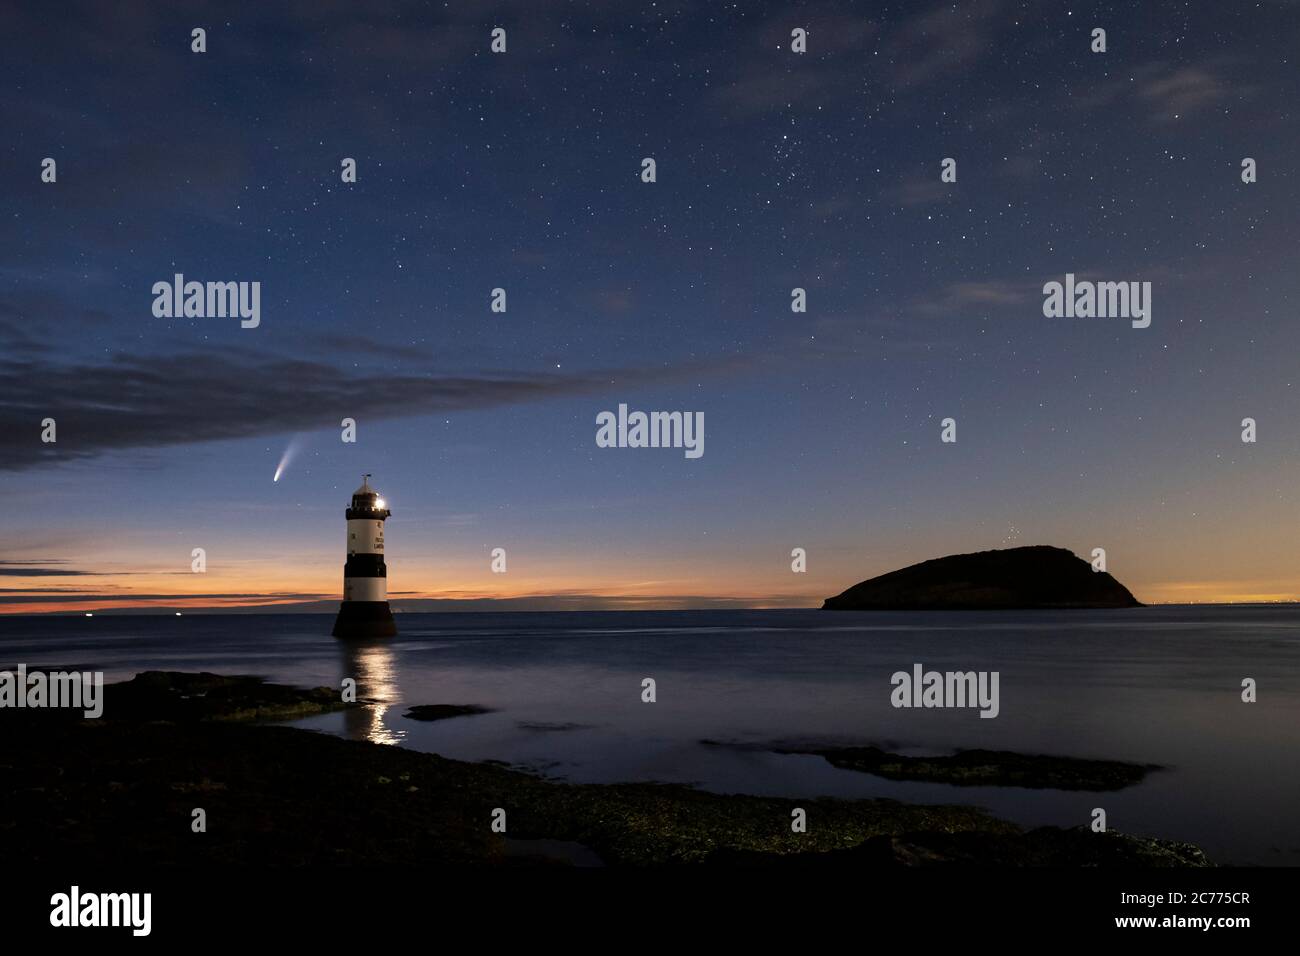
(1035, 577)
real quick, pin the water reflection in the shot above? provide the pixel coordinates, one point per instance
(1145, 686)
(374, 667)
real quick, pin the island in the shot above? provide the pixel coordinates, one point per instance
(1037, 577)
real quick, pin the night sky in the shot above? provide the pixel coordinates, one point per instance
(522, 171)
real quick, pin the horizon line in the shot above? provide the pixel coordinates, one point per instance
(475, 605)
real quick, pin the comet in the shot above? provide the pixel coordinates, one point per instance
(289, 453)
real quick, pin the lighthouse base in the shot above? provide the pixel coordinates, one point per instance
(364, 619)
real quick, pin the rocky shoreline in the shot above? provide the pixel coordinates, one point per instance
(122, 790)
(970, 768)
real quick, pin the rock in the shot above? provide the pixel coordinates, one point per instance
(1034, 577)
(180, 696)
(989, 768)
(444, 711)
(542, 726)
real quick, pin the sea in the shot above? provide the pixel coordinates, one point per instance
(567, 698)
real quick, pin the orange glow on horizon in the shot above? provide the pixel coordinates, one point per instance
(226, 590)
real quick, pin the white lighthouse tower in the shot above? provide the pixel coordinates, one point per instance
(364, 611)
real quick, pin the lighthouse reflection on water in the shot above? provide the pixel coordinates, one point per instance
(374, 667)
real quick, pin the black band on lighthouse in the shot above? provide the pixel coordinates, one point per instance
(365, 566)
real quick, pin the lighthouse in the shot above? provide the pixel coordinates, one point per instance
(364, 611)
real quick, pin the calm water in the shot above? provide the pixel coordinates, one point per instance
(1156, 685)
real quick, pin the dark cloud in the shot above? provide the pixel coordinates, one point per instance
(851, 53)
(936, 44)
(1165, 92)
(918, 191)
(978, 295)
(18, 341)
(1182, 92)
(21, 571)
(368, 345)
(71, 596)
(27, 319)
(136, 402)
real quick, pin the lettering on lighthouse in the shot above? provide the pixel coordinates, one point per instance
(365, 536)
